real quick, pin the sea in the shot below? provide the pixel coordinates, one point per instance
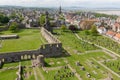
(110, 12)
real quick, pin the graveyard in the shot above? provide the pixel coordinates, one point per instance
(80, 60)
(88, 57)
(114, 65)
(102, 41)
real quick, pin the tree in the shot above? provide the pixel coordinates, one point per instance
(14, 27)
(42, 20)
(4, 19)
(63, 27)
(94, 31)
(72, 27)
(13, 15)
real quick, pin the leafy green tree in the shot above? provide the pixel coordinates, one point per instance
(4, 19)
(13, 15)
(63, 27)
(42, 20)
(73, 28)
(14, 27)
(94, 31)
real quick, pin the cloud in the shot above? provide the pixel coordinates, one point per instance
(50, 3)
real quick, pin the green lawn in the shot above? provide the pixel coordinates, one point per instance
(29, 39)
(14, 64)
(114, 65)
(8, 75)
(11, 64)
(2, 26)
(54, 62)
(102, 41)
(54, 73)
(72, 43)
(89, 65)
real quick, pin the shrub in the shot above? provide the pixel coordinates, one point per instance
(14, 27)
(94, 31)
(72, 27)
(63, 27)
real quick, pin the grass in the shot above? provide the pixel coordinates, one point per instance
(86, 60)
(74, 45)
(14, 64)
(11, 64)
(8, 74)
(102, 41)
(50, 75)
(30, 39)
(26, 63)
(114, 65)
(56, 62)
(71, 43)
(2, 26)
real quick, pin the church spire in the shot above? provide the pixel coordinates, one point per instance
(60, 10)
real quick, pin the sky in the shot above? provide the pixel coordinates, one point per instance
(64, 3)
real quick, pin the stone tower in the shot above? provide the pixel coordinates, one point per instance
(40, 60)
(47, 23)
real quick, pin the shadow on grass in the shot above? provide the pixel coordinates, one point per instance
(47, 65)
(64, 54)
(1, 33)
(1, 66)
(19, 31)
(55, 33)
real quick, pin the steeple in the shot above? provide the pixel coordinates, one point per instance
(60, 10)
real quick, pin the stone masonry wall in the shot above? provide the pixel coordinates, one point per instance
(53, 48)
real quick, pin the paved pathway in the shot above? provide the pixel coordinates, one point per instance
(107, 68)
(52, 68)
(41, 75)
(93, 51)
(36, 78)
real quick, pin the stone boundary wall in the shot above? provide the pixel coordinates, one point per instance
(48, 36)
(17, 56)
(53, 48)
(15, 36)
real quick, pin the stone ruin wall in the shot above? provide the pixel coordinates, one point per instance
(53, 48)
(49, 37)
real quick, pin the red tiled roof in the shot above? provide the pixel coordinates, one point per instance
(111, 33)
(117, 24)
(117, 35)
